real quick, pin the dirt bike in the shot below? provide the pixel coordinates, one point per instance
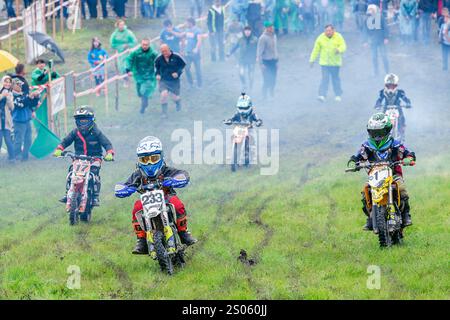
(81, 189)
(241, 143)
(382, 197)
(158, 220)
(393, 113)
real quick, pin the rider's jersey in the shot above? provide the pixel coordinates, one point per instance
(137, 179)
(393, 151)
(251, 118)
(89, 144)
(396, 99)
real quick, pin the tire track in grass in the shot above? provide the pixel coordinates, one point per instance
(121, 275)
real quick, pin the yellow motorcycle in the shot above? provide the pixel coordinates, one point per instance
(382, 197)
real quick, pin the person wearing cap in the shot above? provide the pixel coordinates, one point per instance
(267, 57)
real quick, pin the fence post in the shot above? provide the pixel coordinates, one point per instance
(53, 20)
(116, 67)
(106, 87)
(61, 19)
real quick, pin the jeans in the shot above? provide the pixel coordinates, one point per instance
(246, 72)
(333, 73)
(425, 20)
(147, 10)
(445, 53)
(196, 5)
(195, 59)
(6, 134)
(216, 42)
(10, 8)
(269, 72)
(22, 138)
(379, 48)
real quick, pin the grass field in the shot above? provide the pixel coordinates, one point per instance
(302, 226)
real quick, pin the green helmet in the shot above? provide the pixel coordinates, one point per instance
(379, 128)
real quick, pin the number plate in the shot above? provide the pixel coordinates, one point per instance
(378, 176)
(153, 203)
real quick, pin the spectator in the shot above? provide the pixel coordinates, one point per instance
(360, 10)
(239, 9)
(216, 19)
(308, 13)
(161, 7)
(338, 13)
(269, 8)
(10, 8)
(92, 7)
(267, 57)
(95, 57)
(141, 64)
(20, 73)
(444, 38)
(377, 35)
(192, 52)
(325, 13)
(122, 39)
(169, 67)
(119, 8)
(295, 18)
(247, 46)
(234, 32)
(24, 110)
(43, 73)
(254, 17)
(427, 11)
(281, 17)
(196, 7)
(407, 18)
(330, 46)
(148, 8)
(171, 36)
(6, 107)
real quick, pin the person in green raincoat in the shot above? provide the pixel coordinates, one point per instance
(41, 76)
(141, 64)
(295, 24)
(338, 13)
(122, 39)
(281, 16)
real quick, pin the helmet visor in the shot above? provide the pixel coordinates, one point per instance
(379, 134)
(150, 159)
(391, 86)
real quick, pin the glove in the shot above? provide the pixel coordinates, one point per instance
(408, 161)
(167, 182)
(259, 123)
(57, 153)
(351, 164)
(122, 191)
(408, 106)
(227, 122)
(109, 157)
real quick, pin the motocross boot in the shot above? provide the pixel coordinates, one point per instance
(406, 217)
(141, 246)
(96, 193)
(368, 226)
(186, 238)
(63, 199)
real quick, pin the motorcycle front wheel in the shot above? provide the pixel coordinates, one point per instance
(384, 237)
(73, 213)
(235, 157)
(165, 261)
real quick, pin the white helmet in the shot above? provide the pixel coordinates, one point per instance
(150, 156)
(244, 105)
(390, 84)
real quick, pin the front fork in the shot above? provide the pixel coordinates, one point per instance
(168, 234)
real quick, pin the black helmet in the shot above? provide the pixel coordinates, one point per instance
(84, 117)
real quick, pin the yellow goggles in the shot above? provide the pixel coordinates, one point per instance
(152, 159)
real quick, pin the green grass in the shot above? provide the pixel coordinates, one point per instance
(301, 226)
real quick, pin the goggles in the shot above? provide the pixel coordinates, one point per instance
(151, 159)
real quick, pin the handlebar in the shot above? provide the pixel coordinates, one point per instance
(73, 156)
(366, 165)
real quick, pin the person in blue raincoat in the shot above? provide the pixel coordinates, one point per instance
(95, 57)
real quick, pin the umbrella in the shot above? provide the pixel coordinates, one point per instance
(7, 60)
(47, 42)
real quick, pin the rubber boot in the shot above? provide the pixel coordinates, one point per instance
(178, 105)
(164, 111)
(144, 104)
(141, 246)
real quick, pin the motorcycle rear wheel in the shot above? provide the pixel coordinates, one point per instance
(247, 151)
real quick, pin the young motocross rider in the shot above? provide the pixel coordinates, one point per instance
(151, 167)
(245, 112)
(380, 146)
(88, 140)
(390, 95)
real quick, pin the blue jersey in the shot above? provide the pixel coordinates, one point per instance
(170, 39)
